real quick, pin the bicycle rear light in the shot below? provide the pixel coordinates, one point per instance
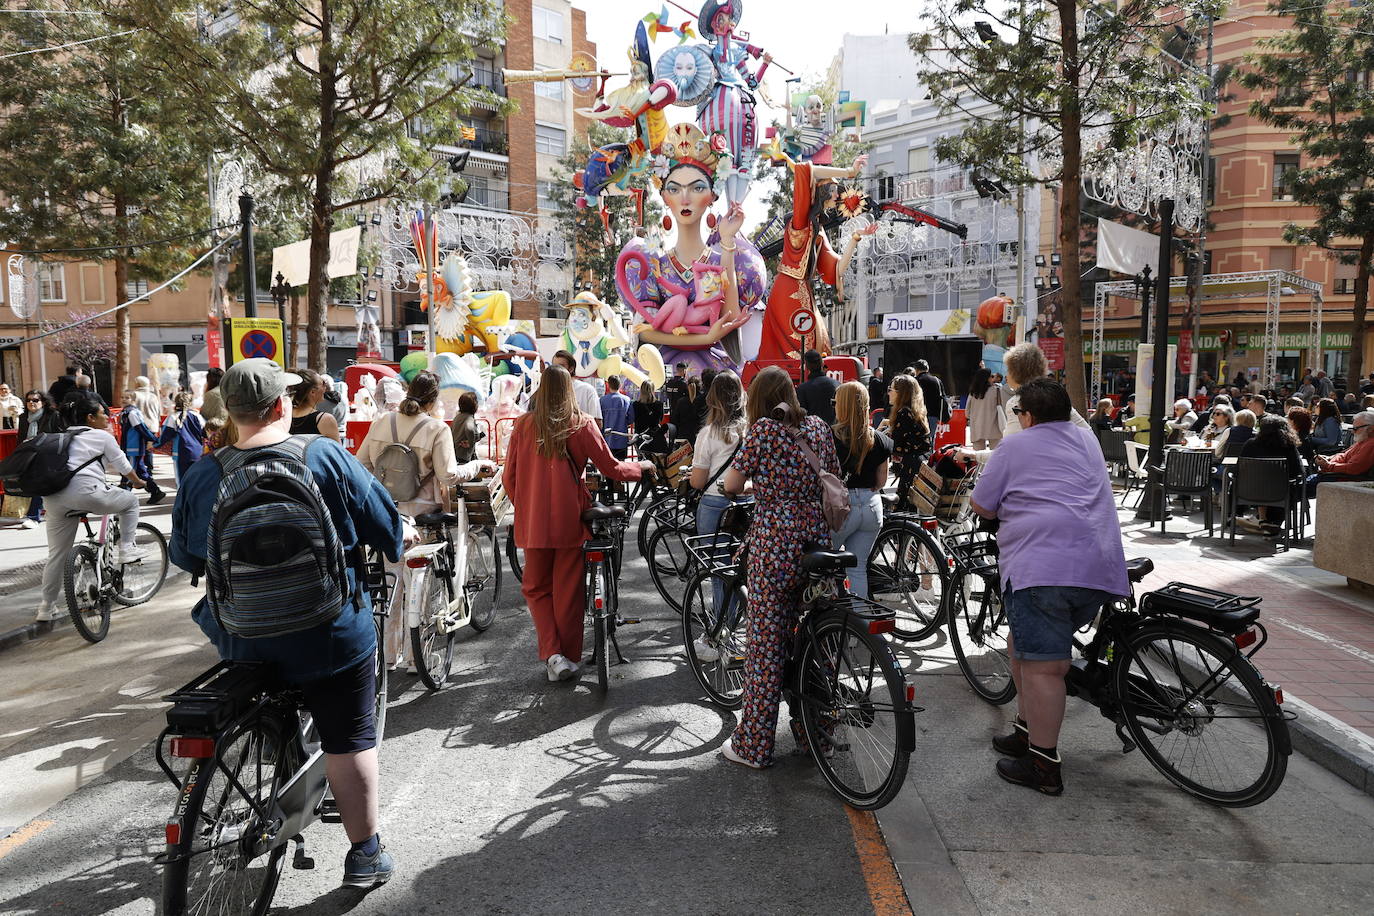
(882, 625)
(417, 562)
(193, 747)
(1278, 694)
(930, 524)
(598, 603)
(596, 556)
(174, 833)
(1245, 638)
(910, 692)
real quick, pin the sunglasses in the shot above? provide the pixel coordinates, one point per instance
(33, 400)
(1018, 410)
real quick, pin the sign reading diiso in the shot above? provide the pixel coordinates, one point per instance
(943, 323)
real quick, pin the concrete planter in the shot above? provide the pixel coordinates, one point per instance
(1345, 529)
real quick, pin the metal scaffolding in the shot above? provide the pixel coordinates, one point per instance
(1273, 285)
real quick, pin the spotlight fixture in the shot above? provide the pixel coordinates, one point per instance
(1055, 259)
(376, 219)
(1039, 282)
(1054, 281)
(1039, 260)
(361, 218)
(459, 161)
(372, 295)
(985, 31)
(366, 272)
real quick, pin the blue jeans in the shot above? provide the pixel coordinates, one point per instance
(35, 509)
(709, 510)
(1043, 619)
(858, 534)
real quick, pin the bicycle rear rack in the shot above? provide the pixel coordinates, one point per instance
(714, 552)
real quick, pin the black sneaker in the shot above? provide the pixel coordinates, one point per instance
(1017, 744)
(368, 871)
(157, 497)
(1034, 771)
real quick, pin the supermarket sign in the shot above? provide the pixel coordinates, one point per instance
(1244, 340)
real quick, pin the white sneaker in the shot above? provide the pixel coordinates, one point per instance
(554, 665)
(706, 651)
(28, 523)
(130, 554)
(45, 614)
(574, 670)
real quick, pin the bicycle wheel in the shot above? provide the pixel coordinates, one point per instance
(513, 556)
(668, 559)
(601, 606)
(137, 582)
(659, 508)
(1202, 714)
(87, 601)
(483, 586)
(978, 629)
(907, 572)
(431, 649)
(704, 626)
(213, 866)
(854, 712)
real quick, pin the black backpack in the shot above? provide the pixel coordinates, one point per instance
(38, 467)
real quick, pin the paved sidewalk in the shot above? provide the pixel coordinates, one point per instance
(24, 555)
(1321, 631)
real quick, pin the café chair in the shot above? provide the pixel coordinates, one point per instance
(1136, 474)
(1113, 442)
(1186, 473)
(1261, 482)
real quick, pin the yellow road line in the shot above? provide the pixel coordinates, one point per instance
(884, 886)
(22, 836)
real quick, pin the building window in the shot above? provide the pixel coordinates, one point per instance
(886, 190)
(1345, 277)
(918, 160)
(52, 286)
(1211, 180)
(545, 191)
(135, 288)
(548, 24)
(1285, 175)
(551, 140)
(1281, 258)
(549, 91)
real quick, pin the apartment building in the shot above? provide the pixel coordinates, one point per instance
(1250, 206)
(509, 174)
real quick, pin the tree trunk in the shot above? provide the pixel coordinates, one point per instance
(119, 380)
(322, 201)
(1070, 215)
(1355, 368)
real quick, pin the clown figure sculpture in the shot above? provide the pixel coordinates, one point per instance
(594, 335)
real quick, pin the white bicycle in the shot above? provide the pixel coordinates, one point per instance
(450, 583)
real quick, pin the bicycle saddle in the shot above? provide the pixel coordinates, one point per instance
(1139, 567)
(599, 512)
(76, 513)
(890, 501)
(437, 519)
(816, 558)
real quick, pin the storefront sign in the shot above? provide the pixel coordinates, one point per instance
(911, 325)
(1210, 341)
(1053, 348)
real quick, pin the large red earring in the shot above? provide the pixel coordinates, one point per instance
(710, 221)
(667, 222)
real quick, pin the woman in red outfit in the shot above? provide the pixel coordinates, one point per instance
(549, 449)
(806, 252)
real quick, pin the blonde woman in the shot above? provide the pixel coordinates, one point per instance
(549, 450)
(863, 453)
(715, 446)
(910, 430)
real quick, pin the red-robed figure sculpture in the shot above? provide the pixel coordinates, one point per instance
(806, 252)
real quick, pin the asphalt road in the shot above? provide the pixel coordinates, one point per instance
(507, 794)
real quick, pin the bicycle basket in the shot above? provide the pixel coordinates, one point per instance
(736, 518)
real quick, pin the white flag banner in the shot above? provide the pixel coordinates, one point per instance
(293, 261)
(1125, 250)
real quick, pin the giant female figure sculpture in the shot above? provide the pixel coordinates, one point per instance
(694, 297)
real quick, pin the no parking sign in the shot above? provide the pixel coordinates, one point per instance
(255, 338)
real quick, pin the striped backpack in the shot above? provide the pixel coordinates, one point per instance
(274, 563)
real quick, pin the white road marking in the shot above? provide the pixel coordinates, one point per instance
(1321, 637)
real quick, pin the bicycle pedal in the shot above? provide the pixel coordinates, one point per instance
(626, 621)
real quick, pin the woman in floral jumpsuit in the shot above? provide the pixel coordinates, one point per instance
(787, 514)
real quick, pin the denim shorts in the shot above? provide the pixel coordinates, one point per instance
(345, 707)
(1044, 618)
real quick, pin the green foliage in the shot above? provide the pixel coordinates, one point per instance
(338, 103)
(1314, 82)
(593, 255)
(95, 151)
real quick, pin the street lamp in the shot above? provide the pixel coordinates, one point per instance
(1144, 286)
(280, 293)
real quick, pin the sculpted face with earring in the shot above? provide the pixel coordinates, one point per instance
(694, 296)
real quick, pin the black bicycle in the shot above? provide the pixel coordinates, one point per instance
(601, 564)
(852, 707)
(1172, 673)
(254, 779)
(908, 570)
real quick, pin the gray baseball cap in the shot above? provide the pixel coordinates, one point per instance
(254, 383)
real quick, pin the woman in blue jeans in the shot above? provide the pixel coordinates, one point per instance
(712, 452)
(863, 454)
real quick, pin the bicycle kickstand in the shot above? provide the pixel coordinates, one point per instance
(1127, 745)
(619, 656)
(299, 860)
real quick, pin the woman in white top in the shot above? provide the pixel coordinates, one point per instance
(93, 452)
(1024, 362)
(10, 408)
(715, 445)
(417, 424)
(985, 410)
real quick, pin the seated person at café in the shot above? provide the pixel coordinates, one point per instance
(1301, 422)
(1326, 427)
(1241, 429)
(1183, 420)
(1350, 405)
(1101, 419)
(1273, 439)
(1220, 419)
(1356, 462)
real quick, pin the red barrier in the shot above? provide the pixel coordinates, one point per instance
(9, 441)
(954, 432)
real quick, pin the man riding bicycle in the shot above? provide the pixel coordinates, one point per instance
(331, 663)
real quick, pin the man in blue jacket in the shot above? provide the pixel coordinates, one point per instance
(332, 663)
